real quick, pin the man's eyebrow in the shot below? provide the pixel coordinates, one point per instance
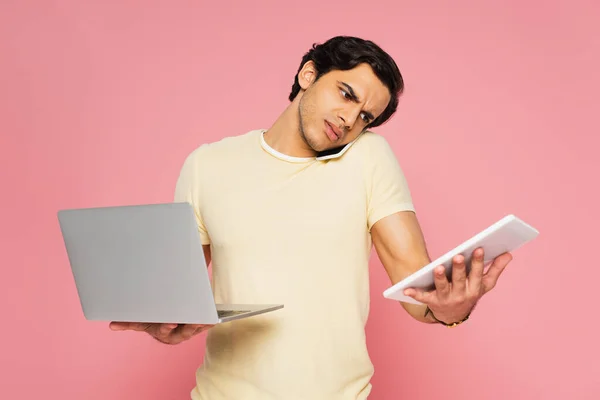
(355, 98)
(350, 90)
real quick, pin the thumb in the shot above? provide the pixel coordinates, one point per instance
(118, 326)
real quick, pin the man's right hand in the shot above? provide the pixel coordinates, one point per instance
(164, 333)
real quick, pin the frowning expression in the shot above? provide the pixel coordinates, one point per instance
(338, 106)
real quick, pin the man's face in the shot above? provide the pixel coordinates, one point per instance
(336, 108)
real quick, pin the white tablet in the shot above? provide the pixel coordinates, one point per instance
(506, 235)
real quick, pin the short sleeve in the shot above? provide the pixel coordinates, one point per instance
(387, 187)
(188, 190)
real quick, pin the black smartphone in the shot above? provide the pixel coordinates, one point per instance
(335, 152)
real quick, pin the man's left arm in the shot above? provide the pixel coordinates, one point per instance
(400, 245)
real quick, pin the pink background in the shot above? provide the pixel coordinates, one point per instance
(101, 101)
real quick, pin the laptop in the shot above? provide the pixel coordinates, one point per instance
(144, 263)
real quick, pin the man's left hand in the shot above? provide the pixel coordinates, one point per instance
(453, 301)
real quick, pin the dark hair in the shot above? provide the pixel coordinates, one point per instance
(347, 52)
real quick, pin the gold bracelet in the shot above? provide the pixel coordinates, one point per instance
(451, 325)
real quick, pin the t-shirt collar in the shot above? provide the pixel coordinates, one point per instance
(278, 154)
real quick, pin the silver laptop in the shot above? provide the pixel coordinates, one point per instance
(144, 263)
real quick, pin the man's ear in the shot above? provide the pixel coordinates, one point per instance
(307, 75)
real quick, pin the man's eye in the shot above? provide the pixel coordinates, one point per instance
(345, 94)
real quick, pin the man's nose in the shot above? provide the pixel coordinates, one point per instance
(348, 119)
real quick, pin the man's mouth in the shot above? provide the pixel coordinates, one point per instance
(332, 132)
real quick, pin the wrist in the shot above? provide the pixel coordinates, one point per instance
(429, 317)
(447, 322)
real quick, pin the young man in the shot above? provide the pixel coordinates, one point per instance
(289, 215)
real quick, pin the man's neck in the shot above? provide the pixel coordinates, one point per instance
(284, 135)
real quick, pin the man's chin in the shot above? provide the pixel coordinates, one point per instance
(322, 148)
(315, 145)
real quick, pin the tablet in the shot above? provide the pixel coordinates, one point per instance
(506, 235)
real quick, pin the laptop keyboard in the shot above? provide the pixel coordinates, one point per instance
(229, 313)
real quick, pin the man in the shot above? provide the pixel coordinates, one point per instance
(289, 215)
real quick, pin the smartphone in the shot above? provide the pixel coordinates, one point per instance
(336, 152)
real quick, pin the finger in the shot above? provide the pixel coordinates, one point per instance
(140, 327)
(442, 286)
(188, 331)
(459, 274)
(476, 273)
(119, 326)
(181, 333)
(491, 277)
(420, 295)
(202, 328)
(166, 329)
(128, 326)
(162, 332)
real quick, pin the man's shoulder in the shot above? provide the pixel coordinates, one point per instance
(370, 144)
(224, 146)
(372, 152)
